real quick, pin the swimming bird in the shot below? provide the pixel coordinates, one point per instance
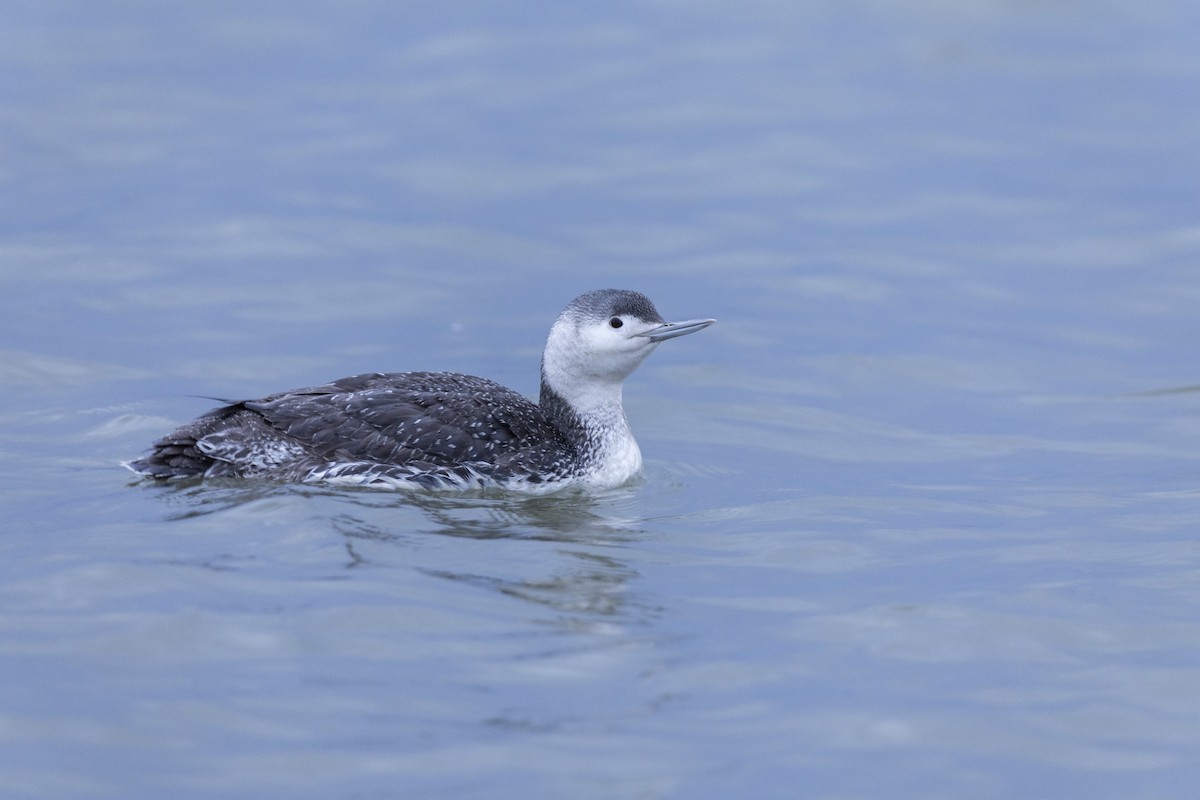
(444, 430)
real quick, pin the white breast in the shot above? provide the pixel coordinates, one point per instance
(613, 454)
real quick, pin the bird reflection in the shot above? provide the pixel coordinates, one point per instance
(565, 517)
(197, 497)
(585, 586)
(595, 585)
(583, 581)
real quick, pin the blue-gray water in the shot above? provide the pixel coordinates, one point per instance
(921, 513)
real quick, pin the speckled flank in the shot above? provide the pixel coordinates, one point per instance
(442, 430)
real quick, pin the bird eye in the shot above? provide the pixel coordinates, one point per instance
(616, 322)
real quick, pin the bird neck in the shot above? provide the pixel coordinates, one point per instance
(593, 422)
(581, 412)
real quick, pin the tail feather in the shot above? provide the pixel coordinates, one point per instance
(171, 457)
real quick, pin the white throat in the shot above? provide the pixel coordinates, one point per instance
(591, 387)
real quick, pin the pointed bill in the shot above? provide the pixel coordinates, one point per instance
(669, 330)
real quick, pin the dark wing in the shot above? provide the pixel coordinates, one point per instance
(434, 418)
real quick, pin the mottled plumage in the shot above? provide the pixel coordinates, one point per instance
(442, 429)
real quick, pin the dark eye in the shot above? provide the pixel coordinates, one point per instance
(616, 322)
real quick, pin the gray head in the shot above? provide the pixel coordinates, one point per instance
(599, 339)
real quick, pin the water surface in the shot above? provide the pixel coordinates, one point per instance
(920, 513)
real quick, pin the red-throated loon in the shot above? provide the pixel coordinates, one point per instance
(442, 429)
